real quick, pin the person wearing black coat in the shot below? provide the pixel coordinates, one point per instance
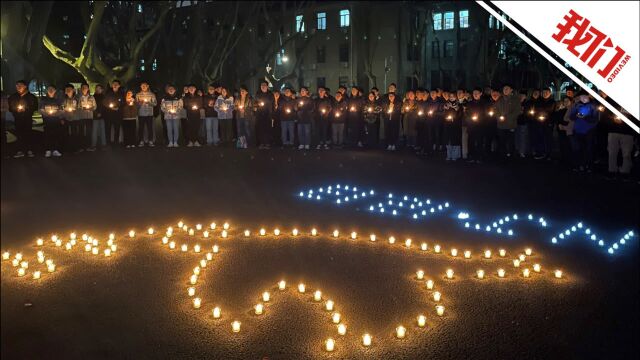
(305, 108)
(22, 104)
(286, 107)
(112, 103)
(338, 116)
(263, 107)
(392, 116)
(542, 125)
(452, 128)
(355, 118)
(324, 106)
(371, 110)
(475, 117)
(192, 104)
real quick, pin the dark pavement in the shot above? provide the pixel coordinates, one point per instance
(135, 304)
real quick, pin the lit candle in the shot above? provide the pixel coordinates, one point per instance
(335, 233)
(423, 246)
(18, 256)
(235, 326)
(436, 249)
(193, 279)
(276, 232)
(330, 344)
(107, 252)
(51, 267)
(21, 272)
(528, 251)
(372, 237)
(24, 264)
(454, 252)
(502, 252)
(39, 242)
(516, 263)
(205, 234)
(366, 340)
(196, 303)
(36, 275)
(225, 226)
(314, 232)
(194, 107)
(198, 227)
(525, 273)
(407, 243)
(449, 274)
(522, 257)
(114, 247)
(196, 248)
(301, 288)
(216, 312)
(467, 254)
(191, 232)
(487, 254)
(501, 273)
(282, 284)
(196, 270)
(150, 231)
(536, 268)
(335, 317)
(132, 233)
(172, 245)
(558, 274)
(212, 226)
(184, 247)
(87, 247)
(392, 240)
(429, 284)
(203, 263)
(185, 227)
(422, 321)
(480, 274)
(263, 232)
(436, 296)
(400, 332)
(354, 235)
(112, 236)
(224, 234)
(420, 274)
(258, 309)
(209, 256)
(6, 255)
(95, 251)
(294, 232)
(440, 310)
(191, 291)
(266, 296)
(317, 295)
(342, 329)
(329, 305)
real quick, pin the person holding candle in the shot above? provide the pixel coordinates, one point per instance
(86, 107)
(171, 105)
(620, 140)
(324, 105)
(113, 101)
(475, 113)
(355, 118)
(263, 107)
(525, 121)
(542, 126)
(433, 122)
(192, 103)
(146, 101)
(243, 107)
(410, 115)
(508, 108)
(224, 108)
(305, 109)
(337, 120)
(71, 127)
(391, 113)
(564, 129)
(97, 126)
(129, 118)
(211, 116)
(22, 105)
(276, 119)
(371, 110)
(585, 115)
(287, 104)
(52, 117)
(452, 133)
(421, 115)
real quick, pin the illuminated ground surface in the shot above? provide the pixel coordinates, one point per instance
(135, 304)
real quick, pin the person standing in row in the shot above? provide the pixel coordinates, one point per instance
(372, 112)
(508, 109)
(475, 116)
(324, 105)
(619, 140)
(338, 115)
(276, 119)
(243, 106)
(433, 122)
(211, 116)
(22, 105)
(171, 106)
(584, 115)
(355, 118)
(129, 117)
(452, 128)
(224, 108)
(71, 129)
(542, 126)
(410, 112)
(392, 114)
(286, 109)
(146, 101)
(86, 107)
(113, 101)
(305, 110)
(98, 123)
(263, 106)
(53, 118)
(192, 104)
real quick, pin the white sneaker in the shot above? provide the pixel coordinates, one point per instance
(388, 147)
(300, 147)
(306, 147)
(175, 144)
(30, 153)
(19, 154)
(393, 148)
(197, 144)
(150, 144)
(170, 145)
(326, 146)
(190, 144)
(359, 143)
(47, 153)
(56, 153)
(319, 147)
(141, 144)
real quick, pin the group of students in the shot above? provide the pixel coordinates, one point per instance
(474, 126)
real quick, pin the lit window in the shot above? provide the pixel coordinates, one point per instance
(278, 59)
(490, 21)
(345, 21)
(65, 36)
(299, 23)
(154, 65)
(464, 18)
(437, 21)
(448, 20)
(322, 21)
(140, 8)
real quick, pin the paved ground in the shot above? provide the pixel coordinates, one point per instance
(135, 305)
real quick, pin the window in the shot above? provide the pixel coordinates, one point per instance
(139, 8)
(437, 21)
(448, 20)
(502, 49)
(321, 52)
(490, 21)
(343, 81)
(321, 82)
(464, 18)
(343, 53)
(142, 67)
(299, 23)
(154, 65)
(448, 48)
(322, 21)
(435, 49)
(344, 18)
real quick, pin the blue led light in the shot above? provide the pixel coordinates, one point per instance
(371, 208)
(446, 204)
(432, 210)
(477, 226)
(554, 240)
(573, 228)
(301, 194)
(593, 237)
(346, 187)
(601, 243)
(415, 216)
(405, 198)
(530, 217)
(394, 212)
(337, 193)
(499, 231)
(610, 251)
(390, 195)
(400, 204)
(318, 197)
(488, 228)
(567, 232)
(510, 232)
(338, 186)
(463, 215)
(321, 190)
(338, 201)
(515, 216)
(466, 225)
(412, 207)
(615, 246)
(588, 231)
(439, 207)
(424, 212)
(381, 210)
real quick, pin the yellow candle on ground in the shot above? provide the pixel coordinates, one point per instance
(51, 267)
(205, 234)
(335, 318)
(314, 232)
(282, 284)
(132, 233)
(525, 273)
(436, 296)
(191, 232)
(342, 329)
(21, 272)
(6, 255)
(422, 320)
(522, 257)
(330, 344)
(184, 247)
(420, 274)
(354, 235)
(335, 233)
(247, 233)
(329, 305)
(454, 252)
(196, 248)
(301, 288)
(317, 295)
(366, 340)
(266, 296)
(196, 303)
(528, 251)
(95, 251)
(193, 279)
(203, 263)
(537, 268)
(276, 232)
(225, 226)
(39, 242)
(449, 274)
(436, 249)
(215, 249)
(259, 309)
(172, 245)
(467, 254)
(401, 332)
(502, 252)
(423, 246)
(480, 274)
(440, 310)
(558, 273)
(487, 254)
(392, 240)
(516, 263)
(198, 227)
(407, 243)
(150, 231)
(429, 284)
(235, 326)
(209, 256)
(36, 275)
(263, 232)
(501, 273)
(294, 232)
(372, 237)
(212, 226)
(191, 291)
(196, 270)
(107, 252)
(216, 312)
(224, 234)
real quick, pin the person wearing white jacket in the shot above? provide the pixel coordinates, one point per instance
(146, 102)
(224, 107)
(86, 106)
(171, 106)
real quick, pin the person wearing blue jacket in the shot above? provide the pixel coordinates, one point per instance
(584, 115)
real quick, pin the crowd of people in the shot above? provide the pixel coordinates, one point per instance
(476, 126)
